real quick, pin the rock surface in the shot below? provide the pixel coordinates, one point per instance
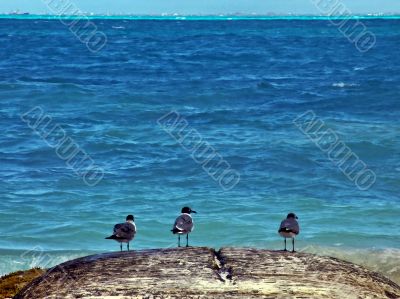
(201, 272)
(12, 283)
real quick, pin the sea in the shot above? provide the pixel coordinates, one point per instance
(237, 87)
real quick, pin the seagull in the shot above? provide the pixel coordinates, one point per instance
(289, 228)
(124, 232)
(183, 225)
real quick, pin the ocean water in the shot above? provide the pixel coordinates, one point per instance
(239, 84)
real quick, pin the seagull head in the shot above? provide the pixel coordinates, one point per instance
(130, 218)
(187, 210)
(292, 215)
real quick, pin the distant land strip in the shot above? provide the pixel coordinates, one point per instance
(197, 17)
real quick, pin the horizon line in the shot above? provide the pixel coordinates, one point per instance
(175, 16)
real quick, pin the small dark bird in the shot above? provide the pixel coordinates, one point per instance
(183, 225)
(289, 228)
(124, 232)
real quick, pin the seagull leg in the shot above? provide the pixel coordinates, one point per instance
(285, 246)
(179, 240)
(187, 240)
(120, 245)
(128, 246)
(293, 245)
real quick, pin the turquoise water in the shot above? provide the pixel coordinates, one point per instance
(240, 85)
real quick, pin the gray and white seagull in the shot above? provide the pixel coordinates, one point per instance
(289, 228)
(124, 232)
(183, 225)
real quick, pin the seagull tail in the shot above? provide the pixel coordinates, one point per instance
(112, 237)
(175, 230)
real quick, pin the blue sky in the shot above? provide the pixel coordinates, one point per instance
(203, 6)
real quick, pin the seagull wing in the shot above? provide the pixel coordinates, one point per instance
(184, 223)
(290, 224)
(117, 228)
(125, 230)
(295, 226)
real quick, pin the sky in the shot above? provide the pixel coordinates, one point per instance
(281, 7)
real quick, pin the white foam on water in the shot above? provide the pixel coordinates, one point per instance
(384, 261)
(343, 84)
(16, 260)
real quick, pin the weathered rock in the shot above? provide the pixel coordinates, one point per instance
(203, 273)
(12, 283)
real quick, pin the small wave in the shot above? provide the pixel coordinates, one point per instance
(15, 260)
(342, 84)
(386, 261)
(265, 85)
(118, 27)
(359, 68)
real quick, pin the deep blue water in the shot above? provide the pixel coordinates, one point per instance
(240, 85)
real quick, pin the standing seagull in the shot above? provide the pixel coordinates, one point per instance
(183, 225)
(289, 228)
(124, 232)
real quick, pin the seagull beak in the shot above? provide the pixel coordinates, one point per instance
(193, 212)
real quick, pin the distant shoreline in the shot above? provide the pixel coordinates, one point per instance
(196, 18)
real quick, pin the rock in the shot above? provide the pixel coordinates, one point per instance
(200, 272)
(12, 283)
